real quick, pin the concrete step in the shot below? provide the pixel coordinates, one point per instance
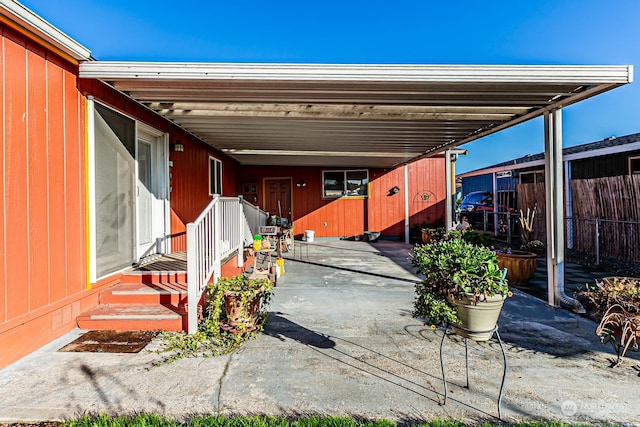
(131, 317)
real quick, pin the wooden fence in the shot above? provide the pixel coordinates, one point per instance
(532, 197)
(612, 206)
(605, 219)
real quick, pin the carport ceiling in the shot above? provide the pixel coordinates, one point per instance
(349, 115)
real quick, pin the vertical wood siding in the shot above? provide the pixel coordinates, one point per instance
(348, 217)
(43, 237)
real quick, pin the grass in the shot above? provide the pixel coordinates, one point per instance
(152, 420)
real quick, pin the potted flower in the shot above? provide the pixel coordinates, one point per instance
(463, 287)
(520, 265)
(535, 246)
(242, 300)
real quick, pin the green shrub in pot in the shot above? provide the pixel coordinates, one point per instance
(453, 270)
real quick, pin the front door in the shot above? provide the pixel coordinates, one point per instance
(278, 197)
(151, 192)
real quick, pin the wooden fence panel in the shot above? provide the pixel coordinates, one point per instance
(609, 205)
(532, 197)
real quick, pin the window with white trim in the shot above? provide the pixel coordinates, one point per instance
(215, 176)
(345, 183)
(634, 165)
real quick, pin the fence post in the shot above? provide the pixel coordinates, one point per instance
(509, 228)
(484, 220)
(597, 241)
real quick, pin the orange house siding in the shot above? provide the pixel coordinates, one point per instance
(42, 270)
(348, 217)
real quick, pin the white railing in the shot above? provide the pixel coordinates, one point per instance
(255, 217)
(225, 226)
(213, 236)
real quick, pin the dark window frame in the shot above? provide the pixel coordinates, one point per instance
(342, 180)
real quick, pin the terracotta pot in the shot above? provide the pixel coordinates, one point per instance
(520, 266)
(480, 319)
(241, 317)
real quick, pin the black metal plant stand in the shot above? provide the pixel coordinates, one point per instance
(449, 331)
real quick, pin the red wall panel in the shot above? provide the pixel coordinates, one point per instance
(349, 217)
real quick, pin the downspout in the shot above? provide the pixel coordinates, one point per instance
(554, 188)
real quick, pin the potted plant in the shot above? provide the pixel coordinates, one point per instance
(463, 287)
(615, 303)
(521, 265)
(242, 300)
(429, 234)
(534, 246)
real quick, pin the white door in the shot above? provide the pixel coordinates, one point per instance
(152, 192)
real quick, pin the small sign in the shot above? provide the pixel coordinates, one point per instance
(503, 174)
(268, 230)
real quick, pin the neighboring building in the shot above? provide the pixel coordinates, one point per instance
(610, 157)
(515, 183)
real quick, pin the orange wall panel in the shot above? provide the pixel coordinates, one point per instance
(16, 193)
(39, 279)
(41, 198)
(75, 180)
(3, 248)
(56, 182)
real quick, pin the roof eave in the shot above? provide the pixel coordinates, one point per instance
(23, 19)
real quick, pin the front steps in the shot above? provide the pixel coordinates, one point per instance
(143, 301)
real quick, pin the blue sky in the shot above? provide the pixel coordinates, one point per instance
(557, 32)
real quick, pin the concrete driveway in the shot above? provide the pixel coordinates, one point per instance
(341, 340)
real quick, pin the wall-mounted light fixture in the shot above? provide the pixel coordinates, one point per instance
(301, 183)
(178, 146)
(394, 190)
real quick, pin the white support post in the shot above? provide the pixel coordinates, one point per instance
(554, 190)
(554, 186)
(407, 215)
(449, 192)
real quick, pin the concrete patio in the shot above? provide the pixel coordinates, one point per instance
(341, 340)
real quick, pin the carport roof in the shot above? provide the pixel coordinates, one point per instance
(349, 115)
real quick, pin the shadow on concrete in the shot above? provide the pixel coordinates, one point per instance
(351, 270)
(281, 328)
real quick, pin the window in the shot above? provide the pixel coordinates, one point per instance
(345, 183)
(215, 176)
(634, 165)
(531, 177)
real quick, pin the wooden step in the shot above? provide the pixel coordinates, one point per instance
(155, 277)
(131, 317)
(173, 295)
